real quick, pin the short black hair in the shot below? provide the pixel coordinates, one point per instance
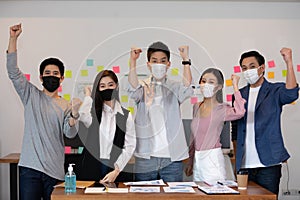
(260, 59)
(52, 61)
(158, 46)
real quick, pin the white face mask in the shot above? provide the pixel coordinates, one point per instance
(251, 75)
(207, 90)
(159, 70)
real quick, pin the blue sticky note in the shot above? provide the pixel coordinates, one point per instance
(89, 62)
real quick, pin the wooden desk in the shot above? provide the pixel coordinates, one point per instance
(13, 160)
(254, 191)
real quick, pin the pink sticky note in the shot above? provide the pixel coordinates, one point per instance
(237, 69)
(271, 63)
(298, 68)
(67, 149)
(27, 76)
(60, 89)
(229, 97)
(116, 69)
(194, 100)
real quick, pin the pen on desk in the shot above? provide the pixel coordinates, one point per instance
(220, 183)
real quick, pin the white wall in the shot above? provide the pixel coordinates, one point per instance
(218, 32)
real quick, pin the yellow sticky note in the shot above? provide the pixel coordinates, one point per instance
(284, 73)
(271, 75)
(68, 74)
(67, 97)
(84, 72)
(124, 98)
(228, 82)
(174, 71)
(293, 103)
(100, 68)
(131, 110)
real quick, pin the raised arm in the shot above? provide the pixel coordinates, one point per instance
(187, 75)
(290, 76)
(14, 32)
(132, 76)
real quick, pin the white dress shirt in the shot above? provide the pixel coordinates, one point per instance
(107, 130)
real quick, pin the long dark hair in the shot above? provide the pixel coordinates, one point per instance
(220, 78)
(97, 100)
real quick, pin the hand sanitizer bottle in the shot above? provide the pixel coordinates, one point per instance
(70, 180)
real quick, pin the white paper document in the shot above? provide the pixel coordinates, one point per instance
(184, 184)
(153, 182)
(144, 189)
(179, 189)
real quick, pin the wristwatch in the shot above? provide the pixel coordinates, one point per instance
(184, 62)
(74, 117)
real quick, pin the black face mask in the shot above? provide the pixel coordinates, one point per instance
(50, 83)
(108, 94)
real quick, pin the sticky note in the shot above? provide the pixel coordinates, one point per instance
(229, 97)
(236, 69)
(84, 72)
(27, 76)
(131, 110)
(298, 68)
(271, 63)
(271, 75)
(89, 62)
(100, 68)
(68, 149)
(80, 150)
(68, 74)
(124, 98)
(174, 71)
(194, 100)
(284, 73)
(116, 69)
(228, 82)
(293, 103)
(67, 97)
(60, 88)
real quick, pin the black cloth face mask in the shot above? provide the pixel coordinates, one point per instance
(51, 83)
(108, 94)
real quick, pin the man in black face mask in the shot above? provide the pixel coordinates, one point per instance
(47, 117)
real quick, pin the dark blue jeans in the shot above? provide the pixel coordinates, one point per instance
(35, 185)
(158, 168)
(267, 177)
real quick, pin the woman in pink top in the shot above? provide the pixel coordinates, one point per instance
(206, 161)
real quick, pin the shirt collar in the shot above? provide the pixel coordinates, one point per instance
(117, 108)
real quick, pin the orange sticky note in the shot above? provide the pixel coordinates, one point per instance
(27, 76)
(237, 69)
(116, 69)
(271, 75)
(229, 97)
(67, 149)
(228, 82)
(194, 100)
(271, 63)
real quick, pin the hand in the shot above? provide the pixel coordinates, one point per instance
(88, 90)
(76, 102)
(184, 52)
(189, 170)
(287, 55)
(235, 79)
(110, 177)
(135, 53)
(15, 31)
